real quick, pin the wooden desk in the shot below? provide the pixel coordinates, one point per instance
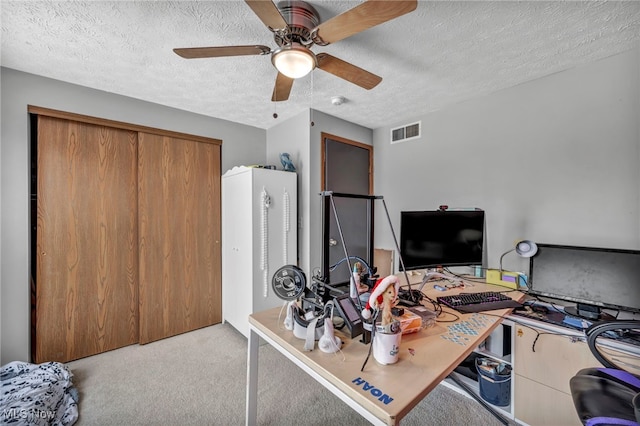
(381, 394)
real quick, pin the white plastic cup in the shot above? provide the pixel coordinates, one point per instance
(386, 347)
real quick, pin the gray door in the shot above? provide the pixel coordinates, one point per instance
(347, 169)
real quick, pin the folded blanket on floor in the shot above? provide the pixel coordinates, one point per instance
(37, 394)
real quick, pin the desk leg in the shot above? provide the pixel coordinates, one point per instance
(252, 378)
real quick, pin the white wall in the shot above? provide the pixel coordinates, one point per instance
(303, 142)
(292, 136)
(241, 145)
(555, 160)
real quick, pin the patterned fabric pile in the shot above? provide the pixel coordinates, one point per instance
(37, 394)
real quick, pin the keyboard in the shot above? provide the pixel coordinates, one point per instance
(478, 302)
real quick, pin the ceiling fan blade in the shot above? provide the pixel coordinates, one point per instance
(268, 13)
(347, 71)
(360, 18)
(282, 88)
(215, 52)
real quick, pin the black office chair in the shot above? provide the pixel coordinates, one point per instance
(609, 395)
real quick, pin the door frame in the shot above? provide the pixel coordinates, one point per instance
(323, 160)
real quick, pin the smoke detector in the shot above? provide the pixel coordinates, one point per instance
(338, 100)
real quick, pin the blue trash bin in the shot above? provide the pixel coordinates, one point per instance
(495, 388)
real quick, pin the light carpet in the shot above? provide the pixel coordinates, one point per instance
(199, 378)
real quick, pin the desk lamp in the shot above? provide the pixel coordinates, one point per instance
(524, 248)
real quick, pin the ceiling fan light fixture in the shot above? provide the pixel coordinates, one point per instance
(294, 61)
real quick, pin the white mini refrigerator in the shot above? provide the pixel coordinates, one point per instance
(259, 235)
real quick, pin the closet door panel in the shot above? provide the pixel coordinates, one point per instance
(86, 238)
(179, 235)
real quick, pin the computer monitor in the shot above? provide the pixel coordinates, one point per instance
(593, 278)
(441, 238)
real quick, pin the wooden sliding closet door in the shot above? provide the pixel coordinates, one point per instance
(179, 235)
(87, 241)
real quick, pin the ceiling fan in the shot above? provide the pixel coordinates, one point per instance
(296, 28)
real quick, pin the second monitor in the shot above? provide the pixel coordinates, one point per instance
(436, 238)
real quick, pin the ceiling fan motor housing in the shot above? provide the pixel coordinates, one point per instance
(301, 18)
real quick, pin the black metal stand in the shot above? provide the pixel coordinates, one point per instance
(328, 205)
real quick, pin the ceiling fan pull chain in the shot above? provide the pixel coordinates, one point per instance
(275, 104)
(312, 123)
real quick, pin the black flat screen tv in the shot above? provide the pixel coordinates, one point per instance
(435, 238)
(592, 277)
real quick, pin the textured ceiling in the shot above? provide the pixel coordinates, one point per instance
(442, 53)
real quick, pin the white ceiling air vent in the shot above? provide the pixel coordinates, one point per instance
(406, 132)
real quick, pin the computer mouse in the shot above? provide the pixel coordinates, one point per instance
(540, 309)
